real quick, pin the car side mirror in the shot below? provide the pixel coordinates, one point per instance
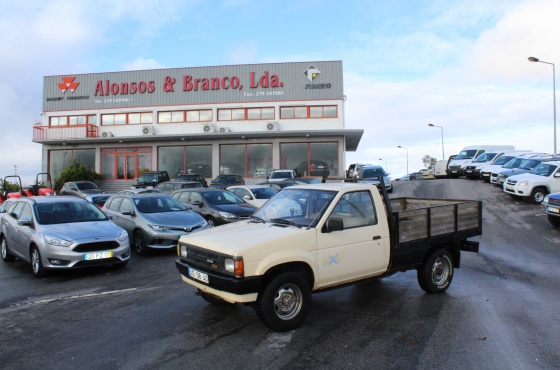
(248, 197)
(127, 212)
(24, 221)
(333, 224)
(198, 203)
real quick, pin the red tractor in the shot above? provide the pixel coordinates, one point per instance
(38, 191)
(6, 194)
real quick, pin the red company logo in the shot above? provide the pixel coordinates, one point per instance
(68, 84)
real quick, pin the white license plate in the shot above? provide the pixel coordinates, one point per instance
(97, 256)
(197, 275)
(469, 171)
(553, 210)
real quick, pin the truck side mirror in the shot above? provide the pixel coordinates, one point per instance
(333, 224)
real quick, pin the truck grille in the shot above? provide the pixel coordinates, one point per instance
(454, 168)
(554, 201)
(511, 182)
(203, 258)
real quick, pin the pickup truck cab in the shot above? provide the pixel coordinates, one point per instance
(542, 180)
(318, 236)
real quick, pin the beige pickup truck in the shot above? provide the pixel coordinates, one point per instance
(313, 237)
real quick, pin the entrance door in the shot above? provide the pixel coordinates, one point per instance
(126, 164)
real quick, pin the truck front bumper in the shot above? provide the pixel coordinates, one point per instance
(228, 288)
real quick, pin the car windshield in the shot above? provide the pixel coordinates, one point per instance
(512, 163)
(466, 154)
(281, 175)
(264, 193)
(68, 212)
(86, 185)
(148, 178)
(224, 180)
(221, 197)
(544, 169)
(299, 207)
(483, 158)
(529, 164)
(149, 204)
(373, 172)
(187, 178)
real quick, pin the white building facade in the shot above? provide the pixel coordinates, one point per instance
(241, 119)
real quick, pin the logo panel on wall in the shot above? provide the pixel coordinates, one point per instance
(312, 73)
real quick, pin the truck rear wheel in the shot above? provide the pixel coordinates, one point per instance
(435, 275)
(284, 302)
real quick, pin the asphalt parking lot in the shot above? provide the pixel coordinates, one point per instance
(501, 311)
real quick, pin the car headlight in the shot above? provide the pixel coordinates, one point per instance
(227, 215)
(234, 266)
(57, 242)
(123, 236)
(159, 227)
(523, 183)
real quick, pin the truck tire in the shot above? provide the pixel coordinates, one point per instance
(435, 275)
(554, 221)
(215, 301)
(537, 195)
(284, 302)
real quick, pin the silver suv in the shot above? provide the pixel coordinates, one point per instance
(61, 233)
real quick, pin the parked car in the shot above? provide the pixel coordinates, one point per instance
(153, 221)
(279, 175)
(80, 189)
(150, 179)
(370, 174)
(193, 177)
(170, 186)
(551, 206)
(98, 199)
(217, 206)
(139, 191)
(313, 168)
(542, 180)
(303, 180)
(427, 174)
(223, 181)
(353, 169)
(277, 185)
(256, 195)
(61, 233)
(526, 166)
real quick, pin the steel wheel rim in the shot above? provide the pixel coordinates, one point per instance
(288, 301)
(539, 197)
(35, 261)
(440, 271)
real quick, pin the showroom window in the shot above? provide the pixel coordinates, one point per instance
(186, 159)
(316, 111)
(126, 119)
(310, 159)
(242, 114)
(247, 160)
(201, 115)
(59, 159)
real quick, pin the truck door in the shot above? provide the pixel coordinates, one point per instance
(361, 249)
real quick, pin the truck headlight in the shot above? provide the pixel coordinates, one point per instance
(545, 200)
(523, 183)
(235, 266)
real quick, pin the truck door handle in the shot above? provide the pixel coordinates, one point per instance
(376, 237)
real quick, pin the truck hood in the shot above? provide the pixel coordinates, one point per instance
(528, 177)
(514, 171)
(240, 237)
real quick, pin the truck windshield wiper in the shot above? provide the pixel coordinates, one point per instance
(256, 219)
(285, 222)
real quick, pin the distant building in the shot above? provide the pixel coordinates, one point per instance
(239, 119)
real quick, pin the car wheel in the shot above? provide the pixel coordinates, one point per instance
(284, 302)
(554, 221)
(6, 255)
(537, 195)
(436, 274)
(215, 301)
(37, 264)
(139, 242)
(211, 221)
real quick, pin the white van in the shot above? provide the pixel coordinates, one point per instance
(457, 166)
(440, 168)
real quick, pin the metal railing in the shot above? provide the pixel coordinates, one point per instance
(45, 133)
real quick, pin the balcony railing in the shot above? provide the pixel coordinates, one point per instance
(44, 133)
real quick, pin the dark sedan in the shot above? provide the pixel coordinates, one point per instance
(80, 189)
(217, 206)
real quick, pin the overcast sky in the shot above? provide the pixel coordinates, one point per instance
(461, 65)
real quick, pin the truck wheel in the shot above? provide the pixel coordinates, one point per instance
(537, 195)
(284, 302)
(554, 221)
(6, 255)
(435, 275)
(215, 301)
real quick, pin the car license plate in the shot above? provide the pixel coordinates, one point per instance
(198, 275)
(469, 171)
(97, 256)
(553, 210)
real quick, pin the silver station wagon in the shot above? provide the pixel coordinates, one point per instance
(61, 233)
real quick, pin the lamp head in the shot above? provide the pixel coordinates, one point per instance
(533, 59)
(430, 124)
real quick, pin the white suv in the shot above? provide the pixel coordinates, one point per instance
(542, 180)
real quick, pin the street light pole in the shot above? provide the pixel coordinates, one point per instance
(402, 147)
(442, 149)
(386, 169)
(533, 59)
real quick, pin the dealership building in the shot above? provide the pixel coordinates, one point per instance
(239, 119)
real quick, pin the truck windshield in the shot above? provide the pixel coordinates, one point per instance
(466, 154)
(486, 157)
(303, 207)
(544, 169)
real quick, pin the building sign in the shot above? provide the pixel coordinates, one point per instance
(197, 85)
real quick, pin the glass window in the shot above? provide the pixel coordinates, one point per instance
(63, 121)
(199, 160)
(82, 120)
(92, 120)
(193, 116)
(259, 160)
(232, 160)
(107, 119)
(186, 159)
(292, 155)
(224, 114)
(324, 159)
(355, 209)
(238, 114)
(134, 118)
(330, 111)
(73, 120)
(254, 113)
(26, 212)
(300, 112)
(164, 117)
(205, 115)
(286, 112)
(146, 117)
(54, 121)
(315, 112)
(267, 113)
(126, 205)
(120, 119)
(178, 116)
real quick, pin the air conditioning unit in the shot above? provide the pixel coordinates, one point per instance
(209, 127)
(107, 134)
(224, 129)
(148, 130)
(272, 126)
